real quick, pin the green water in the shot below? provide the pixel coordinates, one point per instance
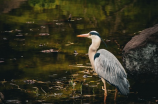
(31, 72)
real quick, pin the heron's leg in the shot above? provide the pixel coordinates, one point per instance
(116, 91)
(105, 91)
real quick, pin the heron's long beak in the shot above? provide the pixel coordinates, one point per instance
(83, 35)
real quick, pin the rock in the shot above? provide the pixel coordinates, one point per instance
(140, 54)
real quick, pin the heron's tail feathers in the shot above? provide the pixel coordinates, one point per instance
(123, 86)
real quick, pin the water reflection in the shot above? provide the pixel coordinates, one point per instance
(40, 54)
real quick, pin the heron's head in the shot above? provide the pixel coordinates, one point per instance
(92, 35)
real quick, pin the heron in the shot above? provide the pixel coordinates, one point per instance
(106, 65)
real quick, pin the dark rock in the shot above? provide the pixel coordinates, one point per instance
(140, 54)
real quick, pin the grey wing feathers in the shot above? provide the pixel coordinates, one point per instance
(108, 67)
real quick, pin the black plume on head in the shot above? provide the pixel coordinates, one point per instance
(94, 33)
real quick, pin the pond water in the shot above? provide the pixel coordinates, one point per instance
(42, 61)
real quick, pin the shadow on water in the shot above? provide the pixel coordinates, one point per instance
(42, 61)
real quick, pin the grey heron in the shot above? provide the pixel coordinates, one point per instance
(106, 65)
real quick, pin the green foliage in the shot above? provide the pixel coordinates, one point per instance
(107, 17)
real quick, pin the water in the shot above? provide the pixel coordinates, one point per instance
(38, 40)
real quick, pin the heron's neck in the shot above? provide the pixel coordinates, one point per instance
(92, 51)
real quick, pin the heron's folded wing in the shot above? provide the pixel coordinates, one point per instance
(109, 68)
